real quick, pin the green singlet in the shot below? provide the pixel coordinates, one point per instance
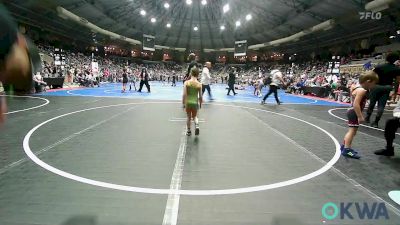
(192, 90)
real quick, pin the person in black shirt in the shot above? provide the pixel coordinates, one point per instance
(173, 79)
(231, 81)
(387, 73)
(19, 58)
(124, 80)
(193, 63)
(343, 82)
(144, 80)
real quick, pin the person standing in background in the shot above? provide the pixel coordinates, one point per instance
(193, 63)
(387, 73)
(144, 80)
(174, 77)
(277, 79)
(390, 133)
(231, 81)
(206, 79)
(132, 80)
(124, 80)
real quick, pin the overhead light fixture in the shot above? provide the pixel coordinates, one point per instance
(166, 5)
(248, 17)
(225, 8)
(142, 12)
(398, 32)
(153, 20)
(222, 27)
(392, 37)
(189, 2)
(196, 28)
(204, 2)
(238, 23)
(168, 25)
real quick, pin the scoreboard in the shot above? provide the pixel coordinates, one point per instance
(334, 65)
(148, 42)
(59, 57)
(240, 48)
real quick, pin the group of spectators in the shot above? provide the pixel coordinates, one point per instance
(78, 69)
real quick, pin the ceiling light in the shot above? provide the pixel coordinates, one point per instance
(249, 17)
(168, 25)
(392, 37)
(166, 5)
(195, 28)
(222, 27)
(189, 2)
(238, 23)
(142, 12)
(153, 20)
(225, 8)
(204, 2)
(398, 32)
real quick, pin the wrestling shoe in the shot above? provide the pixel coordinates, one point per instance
(197, 130)
(348, 152)
(342, 147)
(385, 152)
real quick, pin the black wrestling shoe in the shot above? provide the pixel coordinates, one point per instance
(188, 133)
(385, 152)
(375, 125)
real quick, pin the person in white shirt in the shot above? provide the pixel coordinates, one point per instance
(206, 79)
(277, 79)
(40, 85)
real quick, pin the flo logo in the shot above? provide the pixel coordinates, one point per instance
(370, 15)
(351, 210)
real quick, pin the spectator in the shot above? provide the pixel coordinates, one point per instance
(206, 79)
(40, 85)
(387, 73)
(231, 81)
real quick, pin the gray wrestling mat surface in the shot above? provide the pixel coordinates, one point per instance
(120, 161)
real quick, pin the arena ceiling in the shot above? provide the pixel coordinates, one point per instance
(270, 19)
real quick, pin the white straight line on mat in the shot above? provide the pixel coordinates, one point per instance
(183, 120)
(19, 162)
(172, 207)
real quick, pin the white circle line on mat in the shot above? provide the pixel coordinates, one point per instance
(22, 110)
(297, 180)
